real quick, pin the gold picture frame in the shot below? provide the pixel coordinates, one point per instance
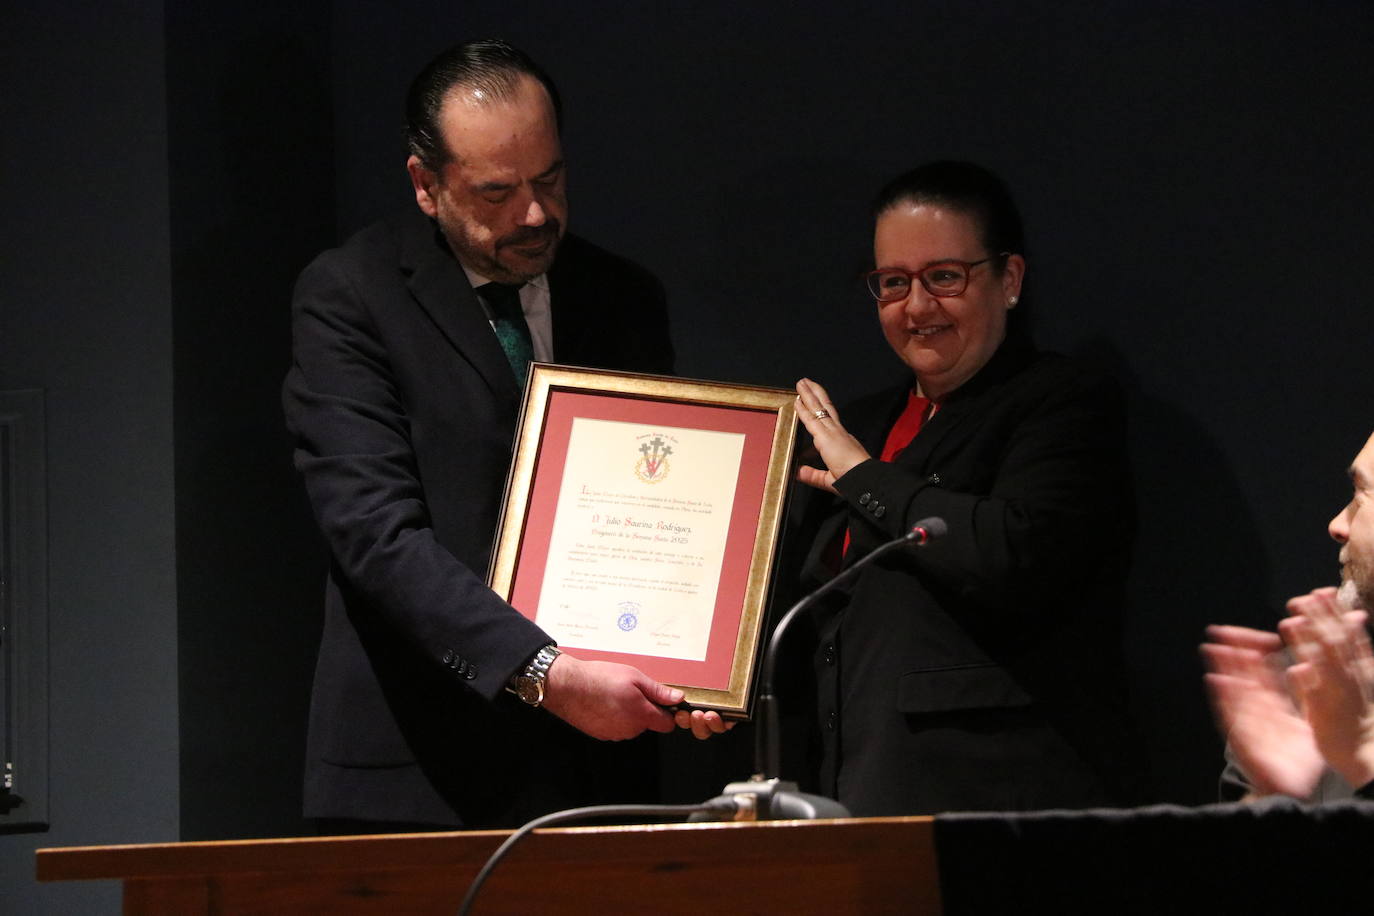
(641, 523)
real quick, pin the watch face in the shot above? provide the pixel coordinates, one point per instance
(530, 689)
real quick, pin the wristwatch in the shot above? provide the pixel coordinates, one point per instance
(529, 684)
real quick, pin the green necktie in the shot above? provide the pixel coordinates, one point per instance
(508, 320)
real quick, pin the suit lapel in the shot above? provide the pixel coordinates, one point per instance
(933, 432)
(1013, 355)
(441, 289)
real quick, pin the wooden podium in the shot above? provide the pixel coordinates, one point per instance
(870, 865)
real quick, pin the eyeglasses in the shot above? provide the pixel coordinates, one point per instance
(941, 279)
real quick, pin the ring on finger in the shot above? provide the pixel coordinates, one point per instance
(820, 413)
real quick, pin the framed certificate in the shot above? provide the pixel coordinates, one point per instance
(641, 523)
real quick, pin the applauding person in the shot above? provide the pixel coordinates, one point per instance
(1307, 731)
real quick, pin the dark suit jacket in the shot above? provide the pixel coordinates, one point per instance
(982, 671)
(404, 411)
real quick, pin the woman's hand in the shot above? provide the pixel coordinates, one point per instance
(702, 724)
(839, 450)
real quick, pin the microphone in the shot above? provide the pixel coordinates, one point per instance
(925, 531)
(765, 795)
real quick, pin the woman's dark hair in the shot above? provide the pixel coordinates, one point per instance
(490, 65)
(965, 188)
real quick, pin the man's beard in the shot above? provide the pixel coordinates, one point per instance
(510, 269)
(1352, 595)
(547, 234)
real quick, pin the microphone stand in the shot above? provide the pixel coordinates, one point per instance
(764, 795)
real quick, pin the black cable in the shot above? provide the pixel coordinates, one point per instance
(766, 739)
(577, 814)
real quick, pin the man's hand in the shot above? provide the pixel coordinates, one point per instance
(607, 701)
(1334, 680)
(1271, 740)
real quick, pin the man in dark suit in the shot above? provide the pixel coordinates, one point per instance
(411, 345)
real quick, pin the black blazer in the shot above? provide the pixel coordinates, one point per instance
(404, 410)
(980, 672)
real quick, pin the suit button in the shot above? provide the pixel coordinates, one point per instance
(880, 512)
(449, 656)
(865, 499)
(831, 720)
(471, 672)
(934, 478)
(462, 666)
(830, 654)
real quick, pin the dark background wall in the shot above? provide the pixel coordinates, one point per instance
(86, 315)
(251, 203)
(1194, 179)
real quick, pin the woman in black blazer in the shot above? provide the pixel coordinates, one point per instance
(981, 672)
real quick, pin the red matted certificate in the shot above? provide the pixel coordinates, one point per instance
(641, 523)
